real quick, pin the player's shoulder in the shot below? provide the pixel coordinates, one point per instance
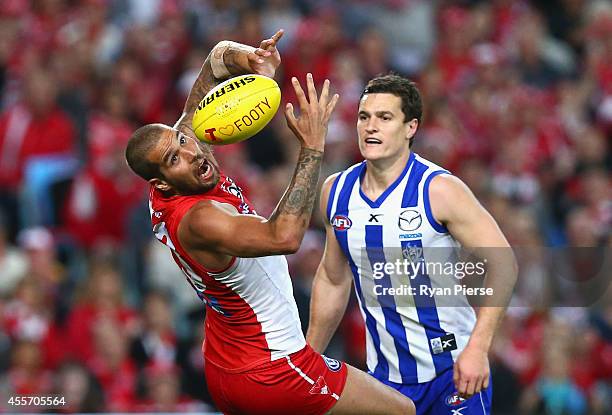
(206, 210)
(328, 183)
(447, 186)
(196, 214)
(437, 176)
(449, 197)
(205, 221)
(430, 165)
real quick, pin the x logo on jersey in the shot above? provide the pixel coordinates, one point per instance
(457, 411)
(374, 217)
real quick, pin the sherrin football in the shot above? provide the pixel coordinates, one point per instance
(236, 109)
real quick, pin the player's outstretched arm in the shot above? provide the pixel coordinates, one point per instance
(228, 59)
(331, 286)
(214, 228)
(454, 205)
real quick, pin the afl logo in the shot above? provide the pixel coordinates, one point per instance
(332, 364)
(454, 400)
(341, 223)
(409, 220)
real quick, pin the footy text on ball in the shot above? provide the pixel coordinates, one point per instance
(247, 120)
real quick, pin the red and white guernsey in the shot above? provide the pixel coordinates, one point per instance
(252, 317)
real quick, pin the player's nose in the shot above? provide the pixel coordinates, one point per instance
(371, 126)
(192, 153)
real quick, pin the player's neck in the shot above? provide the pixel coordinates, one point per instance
(380, 174)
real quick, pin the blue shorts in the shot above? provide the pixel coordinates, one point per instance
(439, 397)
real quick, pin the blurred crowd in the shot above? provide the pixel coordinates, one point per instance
(518, 103)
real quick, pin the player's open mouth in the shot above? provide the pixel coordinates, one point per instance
(205, 170)
(372, 140)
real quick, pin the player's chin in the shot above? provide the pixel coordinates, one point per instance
(207, 183)
(372, 152)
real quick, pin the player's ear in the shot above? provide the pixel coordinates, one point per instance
(160, 184)
(411, 128)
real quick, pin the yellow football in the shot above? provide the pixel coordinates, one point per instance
(236, 109)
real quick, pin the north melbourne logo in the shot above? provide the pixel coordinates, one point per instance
(409, 220)
(412, 253)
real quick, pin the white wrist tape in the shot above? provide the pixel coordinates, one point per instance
(217, 62)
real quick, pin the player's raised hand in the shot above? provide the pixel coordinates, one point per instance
(266, 58)
(310, 127)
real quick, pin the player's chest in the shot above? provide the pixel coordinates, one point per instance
(229, 192)
(390, 223)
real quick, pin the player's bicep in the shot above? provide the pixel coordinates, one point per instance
(334, 266)
(218, 228)
(454, 205)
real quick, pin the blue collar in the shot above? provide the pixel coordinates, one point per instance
(388, 190)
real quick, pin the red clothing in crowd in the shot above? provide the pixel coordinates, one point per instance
(80, 328)
(92, 213)
(99, 206)
(23, 136)
(23, 382)
(119, 384)
(312, 57)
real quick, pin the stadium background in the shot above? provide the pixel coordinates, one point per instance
(518, 100)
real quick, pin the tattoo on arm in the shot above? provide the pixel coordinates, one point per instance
(206, 81)
(203, 84)
(231, 60)
(301, 194)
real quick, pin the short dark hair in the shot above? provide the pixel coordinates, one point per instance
(401, 87)
(139, 145)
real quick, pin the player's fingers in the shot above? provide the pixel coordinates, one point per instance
(265, 44)
(262, 52)
(323, 99)
(462, 385)
(485, 381)
(330, 107)
(312, 92)
(277, 36)
(299, 93)
(253, 57)
(290, 116)
(471, 387)
(271, 42)
(478, 385)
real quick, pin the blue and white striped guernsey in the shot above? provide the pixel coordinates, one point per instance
(404, 332)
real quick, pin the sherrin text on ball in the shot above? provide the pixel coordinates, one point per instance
(236, 109)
